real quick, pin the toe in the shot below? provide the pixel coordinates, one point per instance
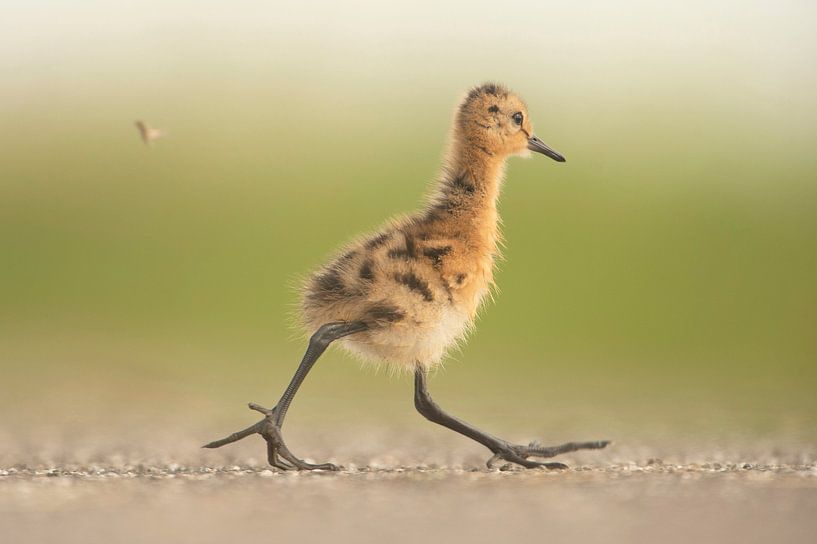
(555, 466)
(328, 466)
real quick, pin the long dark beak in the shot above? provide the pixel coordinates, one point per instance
(535, 144)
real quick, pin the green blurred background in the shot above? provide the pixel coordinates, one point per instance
(665, 275)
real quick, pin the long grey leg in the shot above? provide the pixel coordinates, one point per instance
(270, 427)
(500, 448)
(432, 411)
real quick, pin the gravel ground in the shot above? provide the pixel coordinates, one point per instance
(428, 487)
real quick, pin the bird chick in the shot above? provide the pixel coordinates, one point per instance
(407, 293)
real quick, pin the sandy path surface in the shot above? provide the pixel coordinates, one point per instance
(400, 488)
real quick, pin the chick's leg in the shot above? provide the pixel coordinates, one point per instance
(501, 449)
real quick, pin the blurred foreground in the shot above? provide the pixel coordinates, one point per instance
(420, 485)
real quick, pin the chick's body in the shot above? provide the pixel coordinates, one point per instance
(417, 284)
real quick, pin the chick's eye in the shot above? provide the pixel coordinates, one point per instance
(517, 118)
